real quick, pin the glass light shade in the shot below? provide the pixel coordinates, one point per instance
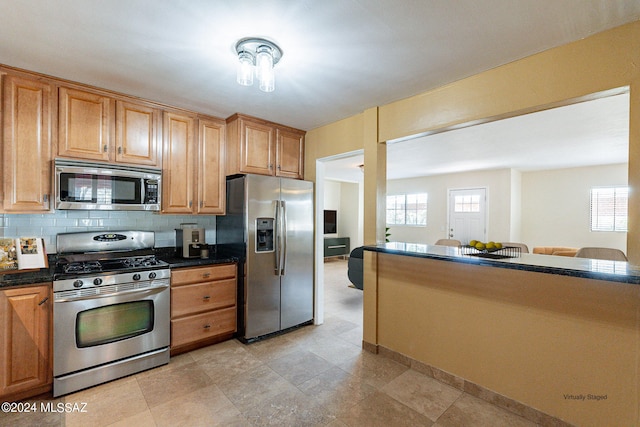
(264, 60)
(245, 69)
(267, 80)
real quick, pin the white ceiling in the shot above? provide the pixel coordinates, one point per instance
(340, 56)
(589, 133)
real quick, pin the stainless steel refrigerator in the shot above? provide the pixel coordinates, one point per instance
(269, 223)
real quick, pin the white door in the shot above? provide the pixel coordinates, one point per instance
(467, 214)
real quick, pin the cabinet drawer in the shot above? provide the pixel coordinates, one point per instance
(202, 326)
(202, 274)
(190, 299)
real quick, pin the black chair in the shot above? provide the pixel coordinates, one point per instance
(355, 267)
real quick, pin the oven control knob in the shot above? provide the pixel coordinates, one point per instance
(97, 281)
(78, 284)
(136, 276)
(152, 275)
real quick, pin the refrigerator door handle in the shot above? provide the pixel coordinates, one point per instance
(276, 236)
(284, 237)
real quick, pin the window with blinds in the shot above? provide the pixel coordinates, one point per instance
(609, 208)
(407, 209)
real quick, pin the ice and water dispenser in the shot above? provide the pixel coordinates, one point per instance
(264, 234)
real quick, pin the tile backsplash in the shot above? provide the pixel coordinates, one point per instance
(48, 226)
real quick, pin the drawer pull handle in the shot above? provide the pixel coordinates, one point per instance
(43, 301)
(205, 275)
(207, 326)
(336, 246)
(206, 297)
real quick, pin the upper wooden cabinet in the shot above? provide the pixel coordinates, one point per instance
(83, 127)
(178, 175)
(193, 173)
(28, 148)
(265, 148)
(136, 133)
(25, 356)
(210, 170)
(87, 122)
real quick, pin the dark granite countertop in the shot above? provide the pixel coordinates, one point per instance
(614, 271)
(44, 275)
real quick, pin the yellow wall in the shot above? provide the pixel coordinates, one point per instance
(607, 60)
(532, 337)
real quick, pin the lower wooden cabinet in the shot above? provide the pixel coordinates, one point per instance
(26, 367)
(203, 306)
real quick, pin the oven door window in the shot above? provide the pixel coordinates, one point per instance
(113, 323)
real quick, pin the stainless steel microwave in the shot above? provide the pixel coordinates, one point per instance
(101, 186)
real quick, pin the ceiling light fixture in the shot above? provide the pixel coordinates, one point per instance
(261, 55)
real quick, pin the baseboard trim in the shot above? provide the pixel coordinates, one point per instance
(469, 387)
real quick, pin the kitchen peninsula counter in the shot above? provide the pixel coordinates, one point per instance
(535, 331)
(615, 271)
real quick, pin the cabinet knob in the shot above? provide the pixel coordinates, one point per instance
(278, 167)
(206, 297)
(205, 275)
(119, 150)
(104, 148)
(190, 203)
(207, 326)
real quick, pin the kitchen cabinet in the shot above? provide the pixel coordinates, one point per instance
(178, 176)
(193, 174)
(336, 246)
(136, 134)
(25, 343)
(210, 166)
(87, 122)
(203, 306)
(84, 120)
(264, 148)
(28, 145)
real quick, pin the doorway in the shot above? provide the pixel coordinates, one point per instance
(468, 214)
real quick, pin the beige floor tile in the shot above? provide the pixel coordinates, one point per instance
(226, 361)
(106, 403)
(204, 407)
(273, 348)
(471, 411)
(337, 390)
(379, 410)
(373, 369)
(167, 384)
(334, 350)
(422, 393)
(143, 419)
(42, 411)
(290, 408)
(300, 366)
(254, 386)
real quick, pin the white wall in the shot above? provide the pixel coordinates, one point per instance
(346, 198)
(555, 206)
(497, 182)
(543, 208)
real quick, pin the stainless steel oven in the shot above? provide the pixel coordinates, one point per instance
(110, 311)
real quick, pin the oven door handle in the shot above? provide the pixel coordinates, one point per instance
(154, 290)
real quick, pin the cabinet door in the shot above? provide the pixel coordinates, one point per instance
(85, 119)
(289, 153)
(256, 148)
(27, 145)
(177, 163)
(211, 179)
(24, 352)
(136, 134)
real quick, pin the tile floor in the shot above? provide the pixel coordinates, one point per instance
(317, 375)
